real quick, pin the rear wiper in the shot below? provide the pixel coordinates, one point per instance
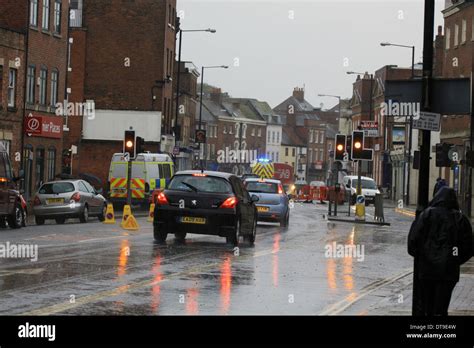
(190, 186)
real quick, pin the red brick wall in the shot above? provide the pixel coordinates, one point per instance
(14, 14)
(135, 30)
(12, 48)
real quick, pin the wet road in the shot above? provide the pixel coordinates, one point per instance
(96, 269)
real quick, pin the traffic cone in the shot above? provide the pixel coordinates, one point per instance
(109, 215)
(127, 212)
(151, 214)
(131, 224)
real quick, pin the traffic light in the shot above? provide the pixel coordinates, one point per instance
(129, 143)
(340, 147)
(358, 150)
(442, 158)
(140, 145)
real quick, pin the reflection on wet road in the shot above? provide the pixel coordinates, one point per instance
(108, 272)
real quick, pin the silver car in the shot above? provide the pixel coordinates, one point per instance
(61, 200)
(273, 202)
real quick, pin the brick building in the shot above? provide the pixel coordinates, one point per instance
(45, 24)
(12, 76)
(122, 65)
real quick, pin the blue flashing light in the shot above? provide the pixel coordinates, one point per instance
(265, 160)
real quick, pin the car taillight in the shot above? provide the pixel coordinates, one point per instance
(280, 189)
(229, 203)
(162, 200)
(36, 201)
(76, 197)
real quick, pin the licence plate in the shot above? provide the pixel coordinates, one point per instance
(55, 200)
(193, 220)
(263, 209)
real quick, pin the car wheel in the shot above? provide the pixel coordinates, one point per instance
(250, 238)
(60, 221)
(233, 238)
(39, 220)
(180, 236)
(85, 215)
(285, 220)
(160, 236)
(16, 219)
(103, 213)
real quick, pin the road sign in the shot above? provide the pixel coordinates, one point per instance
(427, 121)
(200, 136)
(370, 128)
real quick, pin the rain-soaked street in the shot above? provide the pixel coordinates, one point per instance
(97, 269)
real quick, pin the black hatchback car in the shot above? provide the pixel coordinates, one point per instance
(207, 202)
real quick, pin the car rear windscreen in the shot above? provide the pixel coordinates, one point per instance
(261, 187)
(56, 188)
(200, 184)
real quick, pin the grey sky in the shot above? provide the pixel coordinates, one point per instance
(276, 53)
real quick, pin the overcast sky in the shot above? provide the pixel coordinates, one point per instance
(274, 46)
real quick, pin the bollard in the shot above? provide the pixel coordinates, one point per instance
(109, 215)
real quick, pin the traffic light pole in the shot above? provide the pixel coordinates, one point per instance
(425, 148)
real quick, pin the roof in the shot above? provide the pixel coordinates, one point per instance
(291, 137)
(207, 172)
(300, 106)
(207, 115)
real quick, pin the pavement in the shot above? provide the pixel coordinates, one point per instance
(314, 267)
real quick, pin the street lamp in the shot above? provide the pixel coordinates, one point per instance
(181, 31)
(202, 91)
(410, 133)
(385, 44)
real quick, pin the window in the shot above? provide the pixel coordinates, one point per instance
(260, 132)
(82, 187)
(43, 84)
(244, 130)
(286, 151)
(51, 163)
(456, 35)
(54, 87)
(167, 170)
(57, 16)
(45, 22)
(34, 13)
(321, 140)
(30, 84)
(11, 88)
(294, 152)
(311, 136)
(448, 38)
(253, 132)
(269, 135)
(278, 137)
(321, 155)
(225, 130)
(310, 156)
(464, 31)
(273, 137)
(316, 137)
(230, 130)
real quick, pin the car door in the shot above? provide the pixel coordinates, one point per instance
(85, 195)
(245, 204)
(96, 202)
(3, 185)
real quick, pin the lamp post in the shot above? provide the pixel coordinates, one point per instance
(178, 77)
(336, 179)
(202, 92)
(359, 166)
(406, 172)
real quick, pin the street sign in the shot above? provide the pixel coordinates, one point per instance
(200, 136)
(429, 121)
(370, 128)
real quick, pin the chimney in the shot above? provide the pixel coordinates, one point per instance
(298, 93)
(216, 95)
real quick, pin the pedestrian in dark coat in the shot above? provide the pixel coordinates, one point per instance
(440, 240)
(439, 183)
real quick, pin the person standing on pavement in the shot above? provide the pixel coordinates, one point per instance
(440, 240)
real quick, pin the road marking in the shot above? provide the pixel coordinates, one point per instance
(39, 237)
(405, 212)
(61, 307)
(352, 298)
(30, 271)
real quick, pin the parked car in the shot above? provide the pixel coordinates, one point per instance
(273, 202)
(205, 202)
(62, 200)
(368, 185)
(12, 205)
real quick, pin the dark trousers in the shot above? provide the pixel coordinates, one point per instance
(435, 296)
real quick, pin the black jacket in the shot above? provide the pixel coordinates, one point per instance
(441, 238)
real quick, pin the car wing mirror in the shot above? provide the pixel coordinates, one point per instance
(255, 198)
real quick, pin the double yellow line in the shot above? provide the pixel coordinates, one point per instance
(405, 212)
